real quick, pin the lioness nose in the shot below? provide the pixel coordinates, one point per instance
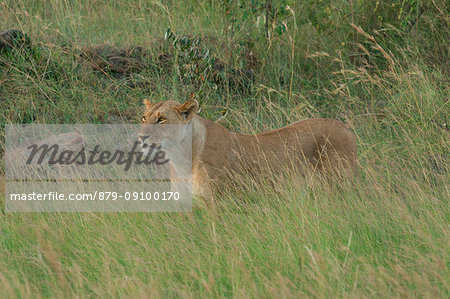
(143, 137)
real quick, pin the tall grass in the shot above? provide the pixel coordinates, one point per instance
(382, 68)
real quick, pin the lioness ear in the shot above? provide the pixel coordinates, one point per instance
(188, 109)
(147, 103)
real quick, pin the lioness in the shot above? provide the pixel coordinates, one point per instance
(217, 154)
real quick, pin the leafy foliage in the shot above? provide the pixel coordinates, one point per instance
(194, 63)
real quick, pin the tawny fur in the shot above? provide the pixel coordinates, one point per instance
(322, 145)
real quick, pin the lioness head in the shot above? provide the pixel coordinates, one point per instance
(159, 114)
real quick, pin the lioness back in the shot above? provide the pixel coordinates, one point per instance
(324, 144)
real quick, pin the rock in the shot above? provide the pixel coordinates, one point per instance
(13, 38)
(125, 65)
(111, 59)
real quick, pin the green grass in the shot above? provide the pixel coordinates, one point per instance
(384, 234)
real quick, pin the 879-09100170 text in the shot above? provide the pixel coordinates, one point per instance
(98, 195)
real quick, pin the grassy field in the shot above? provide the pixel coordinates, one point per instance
(380, 66)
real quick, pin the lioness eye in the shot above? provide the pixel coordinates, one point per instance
(143, 118)
(161, 120)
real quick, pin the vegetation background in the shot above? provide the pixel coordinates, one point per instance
(380, 66)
